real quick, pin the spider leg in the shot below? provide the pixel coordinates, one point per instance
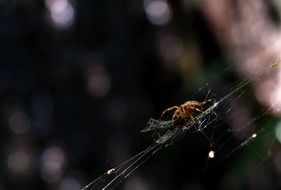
(209, 100)
(176, 116)
(198, 110)
(167, 110)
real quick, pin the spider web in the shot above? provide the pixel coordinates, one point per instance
(222, 142)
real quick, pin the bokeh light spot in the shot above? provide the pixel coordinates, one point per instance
(18, 162)
(52, 163)
(254, 135)
(70, 184)
(19, 122)
(61, 11)
(98, 81)
(135, 183)
(211, 154)
(170, 48)
(158, 12)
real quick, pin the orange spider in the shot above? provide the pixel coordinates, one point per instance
(186, 111)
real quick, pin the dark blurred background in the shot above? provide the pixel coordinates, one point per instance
(80, 79)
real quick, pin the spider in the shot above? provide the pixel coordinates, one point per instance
(187, 111)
